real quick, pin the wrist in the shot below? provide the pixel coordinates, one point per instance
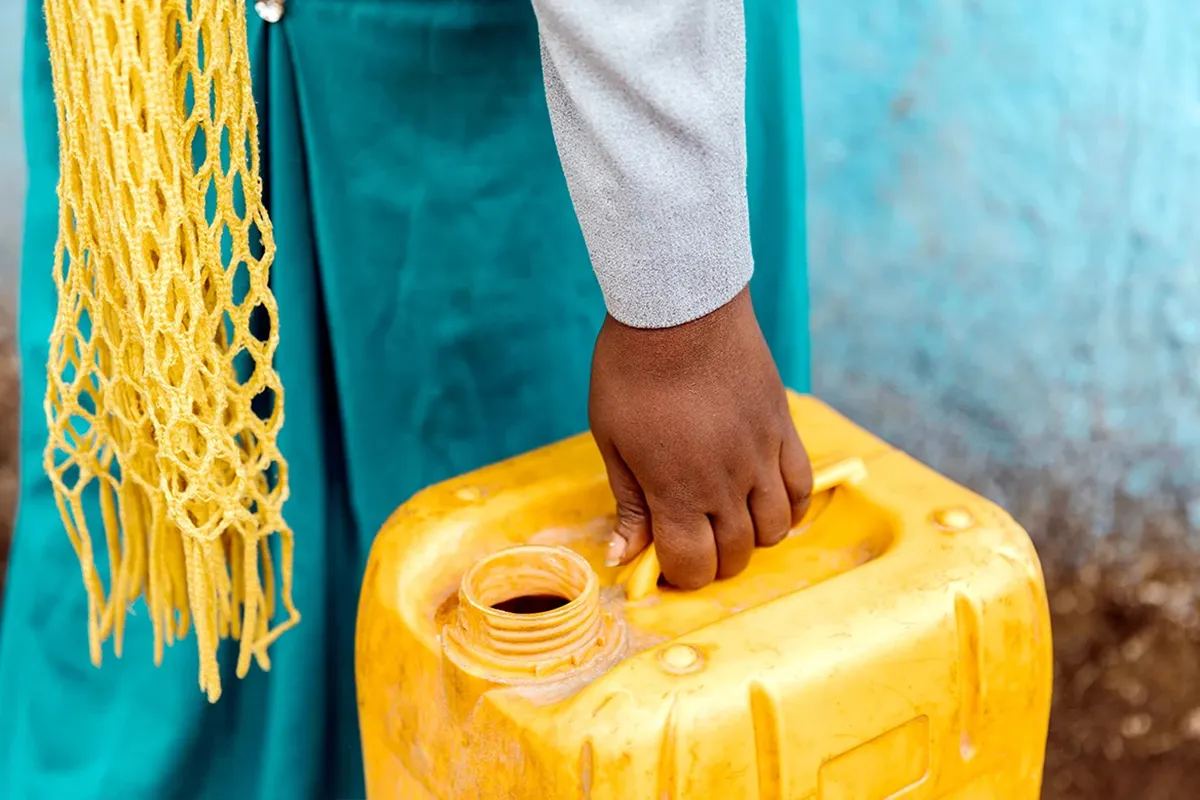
(688, 347)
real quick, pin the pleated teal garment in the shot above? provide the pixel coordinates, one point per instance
(437, 312)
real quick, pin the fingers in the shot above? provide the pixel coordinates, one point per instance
(687, 551)
(770, 509)
(632, 535)
(797, 474)
(695, 548)
(733, 532)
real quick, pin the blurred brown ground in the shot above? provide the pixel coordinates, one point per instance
(9, 405)
(1126, 719)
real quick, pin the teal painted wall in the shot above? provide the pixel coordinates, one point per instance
(1003, 206)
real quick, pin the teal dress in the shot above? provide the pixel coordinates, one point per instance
(437, 312)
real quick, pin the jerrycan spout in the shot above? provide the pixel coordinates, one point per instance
(529, 612)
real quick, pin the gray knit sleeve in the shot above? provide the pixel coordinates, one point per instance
(647, 102)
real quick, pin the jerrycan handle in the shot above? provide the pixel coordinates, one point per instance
(640, 576)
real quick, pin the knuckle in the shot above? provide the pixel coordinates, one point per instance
(677, 498)
(631, 515)
(628, 498)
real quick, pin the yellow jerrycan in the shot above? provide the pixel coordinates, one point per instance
(895, 645)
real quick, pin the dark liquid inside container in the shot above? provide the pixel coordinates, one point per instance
(531, 604)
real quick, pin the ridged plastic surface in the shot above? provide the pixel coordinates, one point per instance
(897, 647)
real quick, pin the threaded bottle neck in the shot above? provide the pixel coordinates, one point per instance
(530, 610)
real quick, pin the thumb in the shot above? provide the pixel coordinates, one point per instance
(632, 535)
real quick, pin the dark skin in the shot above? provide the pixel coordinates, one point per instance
(699, 445)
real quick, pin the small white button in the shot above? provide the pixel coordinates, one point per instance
(269, 10)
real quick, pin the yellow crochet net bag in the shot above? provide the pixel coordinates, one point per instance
(163, 254)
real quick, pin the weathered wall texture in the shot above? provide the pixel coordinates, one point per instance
(1004, 198)
(1003, 205)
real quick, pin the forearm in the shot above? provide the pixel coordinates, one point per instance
(647, 103)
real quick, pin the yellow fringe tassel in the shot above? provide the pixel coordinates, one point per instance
(164, 251)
